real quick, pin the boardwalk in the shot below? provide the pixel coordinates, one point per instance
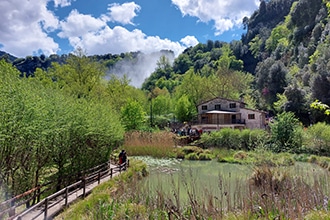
(54, 204)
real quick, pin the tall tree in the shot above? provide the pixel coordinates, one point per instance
(79, 76)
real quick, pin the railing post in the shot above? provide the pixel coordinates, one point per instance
(12, 208)
(111, 171)
(99, 177)
(84, 187)
(66, 196)
(38, 194)
(46, 208)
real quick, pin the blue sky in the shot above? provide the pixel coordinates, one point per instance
(34, 27)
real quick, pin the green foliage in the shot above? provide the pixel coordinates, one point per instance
(42, 128)
(320, 106)
(318, 138)
(162, 105)
(278, 36)
(256, 138)
(286, 133)
(117, 91)
(184, 110)
(255, 45)
(133, 115)
(192, 156)
(162, 77)
(225, 138)
(79, 76)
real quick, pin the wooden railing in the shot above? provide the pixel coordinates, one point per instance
(8, 208)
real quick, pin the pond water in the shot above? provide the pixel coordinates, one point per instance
(174, 177)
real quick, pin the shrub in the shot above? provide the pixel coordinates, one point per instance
(240, 155)
(192, 156)
(318, 138)
(205, 156)
(224, 138)
(286, 133)
(192, 149)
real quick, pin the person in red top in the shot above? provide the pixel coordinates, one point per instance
(121, 157)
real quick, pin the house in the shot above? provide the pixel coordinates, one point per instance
(220, 113)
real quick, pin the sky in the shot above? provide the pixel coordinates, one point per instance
(35, 27)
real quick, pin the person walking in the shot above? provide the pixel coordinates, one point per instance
(121, 157)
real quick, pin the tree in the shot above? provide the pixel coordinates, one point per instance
(162, 105)
(321, 106)
(133, 115)
(163, 70)
(184, 110)
(286, 133)
(270, 80)
(182, 64)
(194, 86)
(79, 76)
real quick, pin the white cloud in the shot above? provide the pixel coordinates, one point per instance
(225, 14)
(124, 13)
(24, 26)
(27, 28)
(76, 25)
(189, 41)
(62, 3)
(96, 37)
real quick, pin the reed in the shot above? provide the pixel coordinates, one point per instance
(156, 144)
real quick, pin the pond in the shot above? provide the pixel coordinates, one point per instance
(211, 179)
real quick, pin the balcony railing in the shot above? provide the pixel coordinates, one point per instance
(221, 122)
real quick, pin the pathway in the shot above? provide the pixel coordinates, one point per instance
(54, 209)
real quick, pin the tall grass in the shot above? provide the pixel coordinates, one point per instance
(156, 144)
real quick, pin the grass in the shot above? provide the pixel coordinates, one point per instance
(156, 144)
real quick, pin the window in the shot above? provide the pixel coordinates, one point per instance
(251, 116)
(204, 107)
(232, 105)
(217, 107)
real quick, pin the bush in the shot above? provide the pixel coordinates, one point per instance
(205, 156)
(240, 155)
(286, 134)
(224, 138)
(192, 156)
(192, 149)
(317, 138)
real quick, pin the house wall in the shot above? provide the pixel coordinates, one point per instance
(259, 120)
(244, 114)
(225, 105)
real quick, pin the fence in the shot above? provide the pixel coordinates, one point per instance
(60, 199)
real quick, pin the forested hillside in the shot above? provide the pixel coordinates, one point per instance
(285, 49)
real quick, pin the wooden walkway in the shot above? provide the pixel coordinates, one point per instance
(52, 205)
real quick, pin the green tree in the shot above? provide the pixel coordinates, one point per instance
(184, 110)
(286, 133)
(162, 105)
(163, 70)
(79, 76)
(133, 115)
(182, 64)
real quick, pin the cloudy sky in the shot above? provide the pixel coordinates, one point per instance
(34, 27)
